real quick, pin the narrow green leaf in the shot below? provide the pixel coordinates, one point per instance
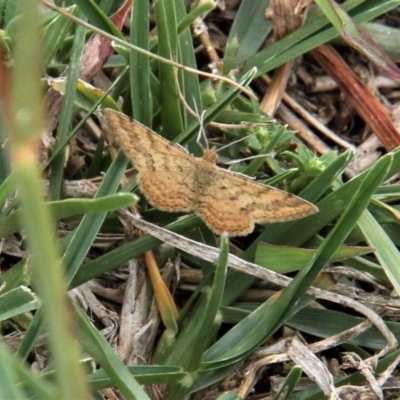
(250, 28)
(144, 374)
(290, 383)
(140, 64)
(285, 259)
(9, 382)
(165, 11)
(90, 225)
(17, 301)
(97, 17)
(95, 344)
(386, 252)
(54, 34)
(71, 207)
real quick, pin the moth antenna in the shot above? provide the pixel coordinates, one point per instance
(236, 141)
(271, 154)
(194, 113)
(202, 131)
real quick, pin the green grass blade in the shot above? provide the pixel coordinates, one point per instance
(31, 335)
(9, 385)
(98, 348)
(188, 83)
(140, 64)
(47, 266)
(165, 11)
(386, 252)
(200, 330)
(90, 224)
(17, 301)
(97, 17)
(250, 28)
(55, 33)
(144, 374)
(71, 207)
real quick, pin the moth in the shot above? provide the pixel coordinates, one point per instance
(175, 181)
